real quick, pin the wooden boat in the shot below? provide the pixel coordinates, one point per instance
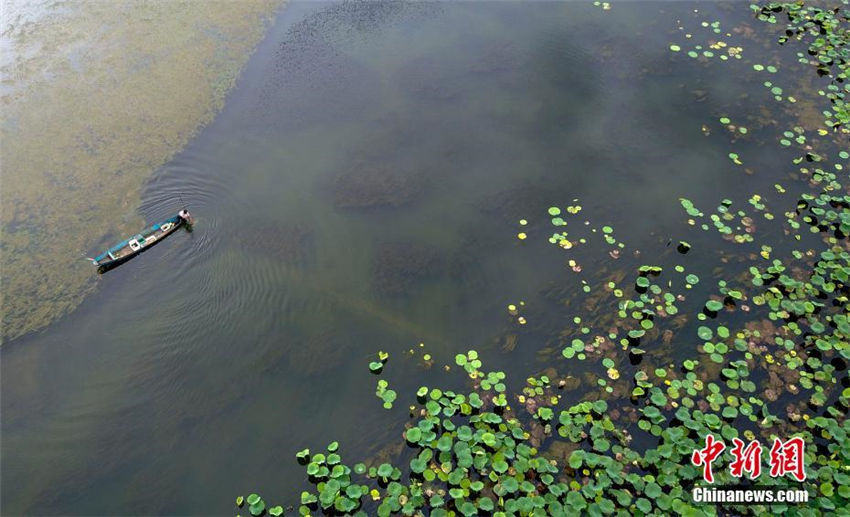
(129, 248)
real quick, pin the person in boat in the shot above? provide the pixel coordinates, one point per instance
(185, 215)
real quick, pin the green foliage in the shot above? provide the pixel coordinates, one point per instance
(472, 452)
(384, 393)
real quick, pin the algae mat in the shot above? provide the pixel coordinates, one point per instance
(95, 96)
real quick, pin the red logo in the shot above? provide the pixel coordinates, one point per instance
(706, 456)
(787, 458)
(746, 459)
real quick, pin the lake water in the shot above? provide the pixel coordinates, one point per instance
(361, 191)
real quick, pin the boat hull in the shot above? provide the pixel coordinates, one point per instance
(137, 244)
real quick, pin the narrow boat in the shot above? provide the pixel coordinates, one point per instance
(129, 248)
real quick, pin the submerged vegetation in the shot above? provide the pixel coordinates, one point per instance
(398, 266)
(88, 115)
(763, 357)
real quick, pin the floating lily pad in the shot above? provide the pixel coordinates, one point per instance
(713, 305)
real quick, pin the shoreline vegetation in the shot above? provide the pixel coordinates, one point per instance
(766, 353)
(89, 113)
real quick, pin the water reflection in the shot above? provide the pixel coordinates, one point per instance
(361, 190)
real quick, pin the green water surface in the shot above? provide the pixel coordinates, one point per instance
(362, 190)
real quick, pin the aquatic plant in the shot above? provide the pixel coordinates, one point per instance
(468, 452)
(384, 393)
(399, 266)
(712, 47)
(369, 186)
(378, 366)
(782, 327)
(108, 153)
(825, 32)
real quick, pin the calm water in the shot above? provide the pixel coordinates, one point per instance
(361, 191)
